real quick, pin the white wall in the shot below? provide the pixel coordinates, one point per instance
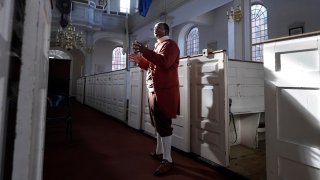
(114, 5)
(212, 27)
(102, 56)
(77, 64)
(283, 13)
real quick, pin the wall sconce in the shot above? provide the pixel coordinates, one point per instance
(235, 14)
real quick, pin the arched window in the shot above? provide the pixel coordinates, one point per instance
(118, 59)
(192, 42)
(259, 30)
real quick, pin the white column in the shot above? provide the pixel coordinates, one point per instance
(246, 6)
(239, 33)
(88, 58)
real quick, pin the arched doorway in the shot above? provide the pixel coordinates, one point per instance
(66, 68)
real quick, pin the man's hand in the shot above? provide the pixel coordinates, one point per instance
(138, 46)
(135, 57)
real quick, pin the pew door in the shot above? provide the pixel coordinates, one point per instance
(135, 101)
(292, 99)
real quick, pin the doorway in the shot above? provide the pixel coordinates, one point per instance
(59, 76)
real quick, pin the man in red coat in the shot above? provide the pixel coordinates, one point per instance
(163, 86)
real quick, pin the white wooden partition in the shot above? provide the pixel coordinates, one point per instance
(107, 93)
(292, 88)
(209, 107)
(98, 104)
(80, 89)
(246, 90)
(245, 86)
(214, 80)
(135, 99)
(89, 91)
(181, 125)
(119, 79)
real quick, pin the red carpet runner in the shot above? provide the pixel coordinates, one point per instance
(104, 148)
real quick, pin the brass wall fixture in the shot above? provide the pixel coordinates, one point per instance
(234, 14)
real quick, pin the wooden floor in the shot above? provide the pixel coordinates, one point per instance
(248, 162)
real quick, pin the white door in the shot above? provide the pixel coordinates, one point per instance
(30, 127)
(135, 101)
(292, 99)
(209, 108)
(181, 125)
(5, 39)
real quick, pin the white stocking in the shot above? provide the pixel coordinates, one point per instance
(159, 149)
(166, 142)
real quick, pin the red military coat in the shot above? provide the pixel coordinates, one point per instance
(163, 63)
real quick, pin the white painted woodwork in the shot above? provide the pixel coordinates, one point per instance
(89, 91)
(6, 9)
(135, 98)
(80, 90)
(245, 86)
(292, 98)
(246, 89)
(248, 129)
(107, 93)
(99, 104)
(209, 109)
(30, 127)
(181, 124)
(104, 93)
(119, 94)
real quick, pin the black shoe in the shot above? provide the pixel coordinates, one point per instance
(164, 168)
(155, 156)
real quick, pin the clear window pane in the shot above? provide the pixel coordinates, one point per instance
(259, 30)
(124, 6)
(118, 59)
(192, 42)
